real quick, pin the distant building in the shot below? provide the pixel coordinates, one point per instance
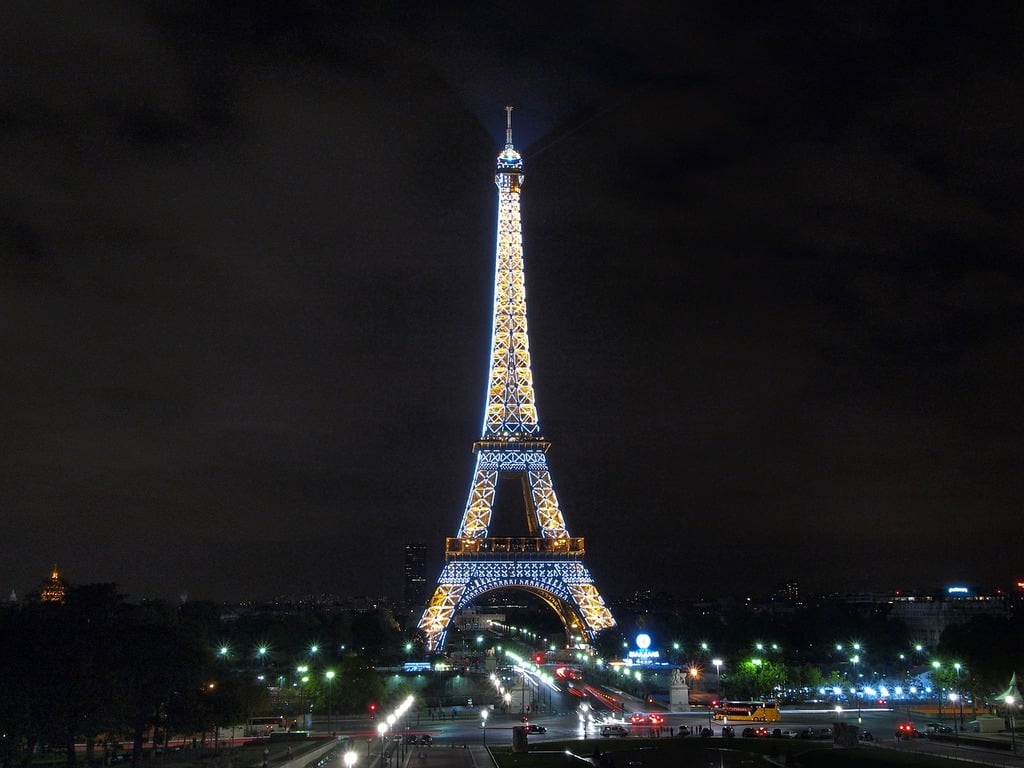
(474, 619)
(792, 591)
(54, 591)
(414, 575)
(926, 616)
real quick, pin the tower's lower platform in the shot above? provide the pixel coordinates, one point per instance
(563, 582)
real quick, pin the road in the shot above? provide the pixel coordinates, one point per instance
(461, 742)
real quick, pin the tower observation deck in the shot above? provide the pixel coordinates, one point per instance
(548, 562)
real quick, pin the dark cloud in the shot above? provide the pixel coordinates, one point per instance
(772, 264)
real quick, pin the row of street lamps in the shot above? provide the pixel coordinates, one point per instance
(389, 724)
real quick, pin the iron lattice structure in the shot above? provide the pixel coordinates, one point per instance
(548, 562)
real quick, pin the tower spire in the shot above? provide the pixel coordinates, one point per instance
(508, 127)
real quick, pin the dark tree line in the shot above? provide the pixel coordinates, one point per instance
(97, 669)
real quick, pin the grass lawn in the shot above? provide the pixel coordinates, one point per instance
(684, 753)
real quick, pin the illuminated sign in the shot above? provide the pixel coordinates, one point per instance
(643, 654)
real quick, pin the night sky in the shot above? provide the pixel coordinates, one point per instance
(774, 283)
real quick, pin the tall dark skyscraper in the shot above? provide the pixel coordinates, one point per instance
(414, 583)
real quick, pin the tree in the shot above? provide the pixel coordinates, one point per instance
(356, 685)
(156, 657)
(990, 647)
(755, 679)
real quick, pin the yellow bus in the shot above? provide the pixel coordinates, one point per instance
(746, 711)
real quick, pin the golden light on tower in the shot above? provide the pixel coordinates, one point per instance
(548, 562)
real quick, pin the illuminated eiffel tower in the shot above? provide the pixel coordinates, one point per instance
(549, 562)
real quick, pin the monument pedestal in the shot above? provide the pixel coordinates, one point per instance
(678, 692)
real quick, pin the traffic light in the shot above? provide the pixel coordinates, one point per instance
(373, 711)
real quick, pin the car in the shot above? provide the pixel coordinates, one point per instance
(534, 728)
(825, 733)
(683, 730)
(706, 733)
(613, 730)
(808, 733)
(412, 738)
(788, 733)
(727, 732)
(638, 718)
(865, 736)
(907, 731)
(761, 732)
(426, 740)
(748, 732)
(655, 719)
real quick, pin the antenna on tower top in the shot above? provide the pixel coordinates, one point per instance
(508, 126)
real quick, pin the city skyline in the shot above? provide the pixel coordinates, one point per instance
(772, 266)
(411, 595)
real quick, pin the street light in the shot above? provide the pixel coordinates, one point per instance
(718, 684)
(936, 666)
(382, 729)
(330, 689)
(959, 694)
(1010, 704)
(483, 724)
(392, 719)
(856, 662)
(350, 758)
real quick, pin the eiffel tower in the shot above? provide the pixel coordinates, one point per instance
(549, 562)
